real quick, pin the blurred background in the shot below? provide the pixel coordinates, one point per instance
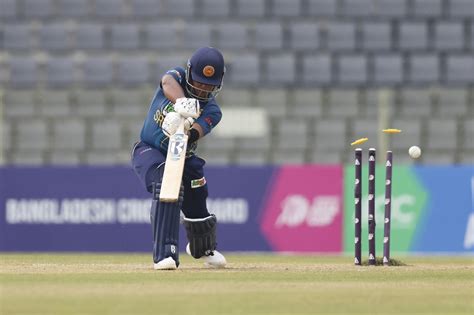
(77, 76)
(304, 79)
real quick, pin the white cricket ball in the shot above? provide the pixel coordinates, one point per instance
(414, 152)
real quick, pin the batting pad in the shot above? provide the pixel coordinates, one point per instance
(165, 218)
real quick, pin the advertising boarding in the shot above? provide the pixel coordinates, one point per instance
(291, 208)
(99, 209)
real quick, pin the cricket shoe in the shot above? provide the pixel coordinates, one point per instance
(165, 264)
(215, 260)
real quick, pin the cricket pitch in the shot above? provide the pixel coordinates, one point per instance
(252, 284)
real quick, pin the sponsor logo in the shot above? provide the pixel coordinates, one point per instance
(168, 108)
(229, 210)
(208, 71)
(77, 211)
(158, 117)
(208, 121)
(297, 210)
(403, 213)
(176, 146)
(196, 183)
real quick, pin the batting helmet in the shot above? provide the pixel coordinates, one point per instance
(205, 66)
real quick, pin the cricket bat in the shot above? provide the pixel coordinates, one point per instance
(174, 165)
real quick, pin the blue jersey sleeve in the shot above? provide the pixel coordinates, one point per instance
(210, 116)
(179, 74)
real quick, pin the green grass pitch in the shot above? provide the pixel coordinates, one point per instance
(252, 284)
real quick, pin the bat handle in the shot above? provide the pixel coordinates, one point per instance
(181, 126)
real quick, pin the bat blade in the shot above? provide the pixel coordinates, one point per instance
(174, 166)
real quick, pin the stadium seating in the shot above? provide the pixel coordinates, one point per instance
(32, 135)
(55, 37)
(376, 35)
(427, 8)
(416, 103)
(98, 71)
(8, 9)
(423, 69)
(322, 8)
(243, 70)
(38, 9)
(214, 8)
(250, 8)
(60, 72)
(304, 36)
(73, 8)
(329, 134)
(357, 8)
(460, 69)
(66, 130)
(105, 9)
(87, 70)
(453, 103)
(268, 36)
(90, 36)
(461, 8)
(124, 37)
(196, 36)
(280, 69)
(352, 70)
(145, 8)
(133, 71)
(388, 70)
(232, 36)
(24, 72)
(341, 36)
(317, 70)
(391, 8)
(53, 104)
(449, 36)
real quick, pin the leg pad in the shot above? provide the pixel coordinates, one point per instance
(201, 235)
(165, 226)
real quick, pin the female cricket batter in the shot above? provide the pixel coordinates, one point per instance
(193, 89)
